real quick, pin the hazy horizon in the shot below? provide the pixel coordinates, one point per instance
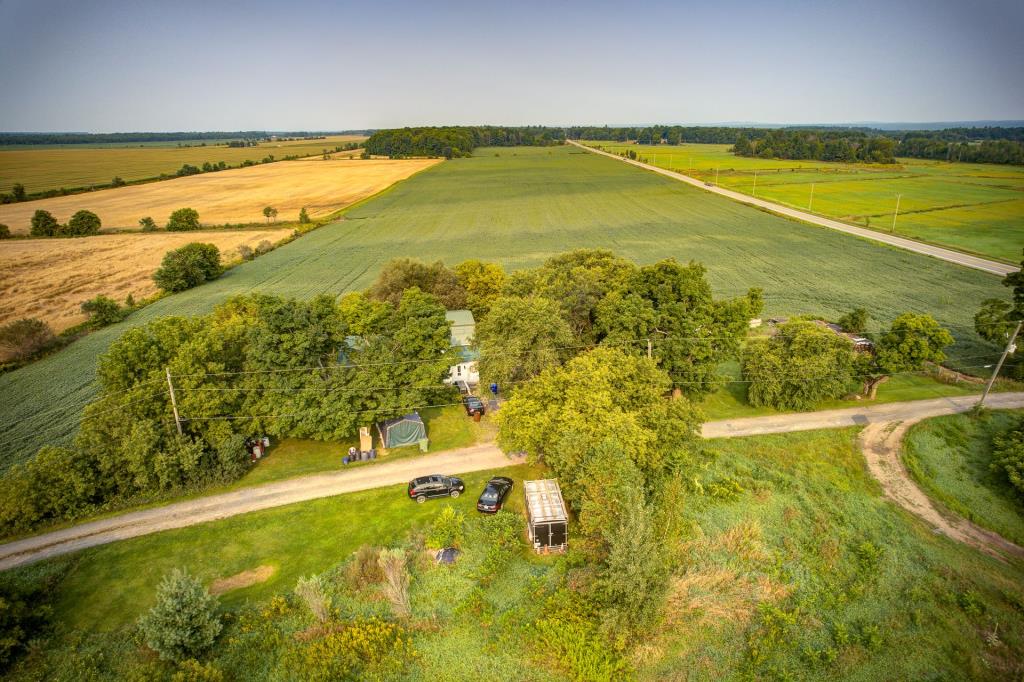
(111, 66)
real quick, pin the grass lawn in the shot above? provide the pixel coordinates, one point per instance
(971, 207)
(949, 458)
(518, 206)
(110, 586)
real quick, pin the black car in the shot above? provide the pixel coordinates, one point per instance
(435, 486)
(494, 494)
(473, 405)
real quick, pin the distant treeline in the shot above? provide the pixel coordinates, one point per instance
(108, 138)
(849, 144)
(455, 141)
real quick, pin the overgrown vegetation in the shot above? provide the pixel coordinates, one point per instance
(188, 266)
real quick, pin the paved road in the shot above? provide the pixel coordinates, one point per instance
(854, 416)
(215, 507)
(957, 257)
(476, 458)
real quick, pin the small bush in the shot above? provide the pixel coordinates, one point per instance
(264, 247)
(44, 224)
(245, 252)
(183, 220)
(188, 266)
(312, 592)
(396, 579)
(5, 232)
(304, 216)
(363, 649)
(82, 224)
(447, 530)
(147, 224)
(117, 182)
(21, 339)
(364, 569)
(184, 621)
(103, 311)
(192, 670)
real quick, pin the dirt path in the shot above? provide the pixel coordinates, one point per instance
(191, 512)
(881, 445)
(939, 252)
(885, 426)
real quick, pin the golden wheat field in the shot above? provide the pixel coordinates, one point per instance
(234, 196)
(49, 279)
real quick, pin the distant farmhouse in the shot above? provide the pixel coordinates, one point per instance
(463, 329)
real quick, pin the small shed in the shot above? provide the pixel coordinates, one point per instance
(407, 430)
(546, 519)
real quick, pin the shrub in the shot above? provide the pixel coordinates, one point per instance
(117, 182)
(18, 192)
(245, 252)
(364, 569)
(23, 616)
(311, 591)
(83, 223)
(184, 621)
(22, 339)
(855, 321)
(1008, 458)
(192, 670)
(352, 652)
(580, 650)
(188, 266)
(183, 220)
(147, 224)
(502, 537)
(304, 216)
(103, 311)
(447, 529)
(264, 247)
(396, 579)
(5, 232)
(44, 224)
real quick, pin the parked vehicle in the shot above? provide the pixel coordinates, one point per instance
(473, 405)
(437, 485)
(494, 494)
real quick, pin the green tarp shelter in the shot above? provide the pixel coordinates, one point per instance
(407, 430)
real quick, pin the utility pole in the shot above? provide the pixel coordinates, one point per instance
(811, 200)
(174, 403)
(1010, 347)
(754, 192)
(716, 176)
(649, 349)
(896, 213)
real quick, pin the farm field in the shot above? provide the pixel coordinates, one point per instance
(235, 196)
(519, 206)
(949, 457)
(41, 169)
(49, 279)
(804, 572)
(976, 208)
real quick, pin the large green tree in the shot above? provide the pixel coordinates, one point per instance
(400, 274)
(483, 283)
(997, 318)
(690, 332)
(188, 266)
(911, 341)
(520, 337)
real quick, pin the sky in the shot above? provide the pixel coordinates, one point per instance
(112, 65)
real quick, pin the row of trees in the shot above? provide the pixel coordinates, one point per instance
(827, 145)
(986, 151)
(256, 365)
(81, 224)
(456, 141)
(115, 138)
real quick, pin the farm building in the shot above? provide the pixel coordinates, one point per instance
(463, 328)
(546, 519)
(407, 430)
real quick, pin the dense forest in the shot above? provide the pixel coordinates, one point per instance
(927, 146)
(823, 145)
(455, 141)
(115, 138)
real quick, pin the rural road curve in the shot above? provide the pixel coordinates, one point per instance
(475, 458)
(191, 512)
(950, 255)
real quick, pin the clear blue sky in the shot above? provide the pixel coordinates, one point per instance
(95, 65)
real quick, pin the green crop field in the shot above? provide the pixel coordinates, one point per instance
(950, 458)
(42, 169)
(978, 208)
(518, 207)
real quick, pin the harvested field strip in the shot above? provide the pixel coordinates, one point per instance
(518, 208)
(49, 279)
(42, 169)
(233, 196)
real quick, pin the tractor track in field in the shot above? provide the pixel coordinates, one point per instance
(948, 255)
